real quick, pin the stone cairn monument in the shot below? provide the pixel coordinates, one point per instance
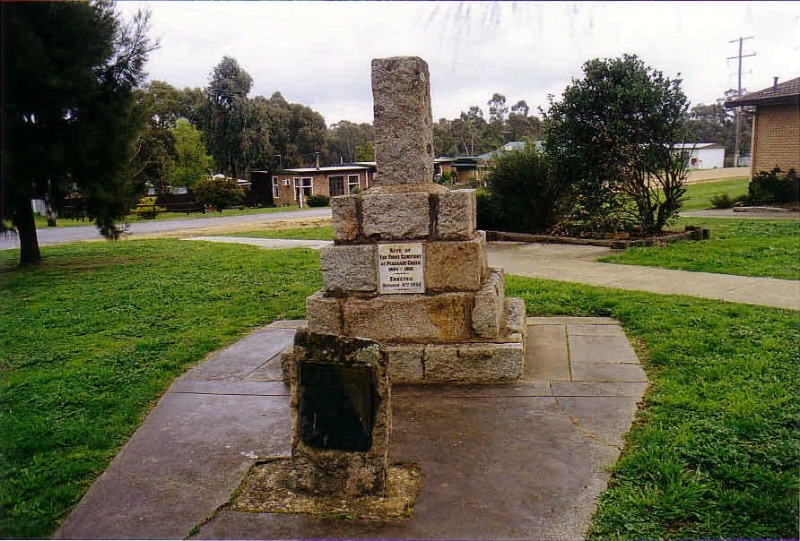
(408, 297)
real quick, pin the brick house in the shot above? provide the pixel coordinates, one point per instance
(289, 184)
(776, 125)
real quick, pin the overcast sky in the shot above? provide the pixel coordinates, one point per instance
(318, 53)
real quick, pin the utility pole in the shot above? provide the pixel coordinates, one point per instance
(739, 95)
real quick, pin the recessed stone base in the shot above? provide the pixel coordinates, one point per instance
(341, 415)
(269, 488)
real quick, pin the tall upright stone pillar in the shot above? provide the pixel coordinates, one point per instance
(408, 273)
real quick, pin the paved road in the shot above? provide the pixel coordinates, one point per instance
(59, 235)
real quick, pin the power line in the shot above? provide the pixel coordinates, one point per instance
(739, 95)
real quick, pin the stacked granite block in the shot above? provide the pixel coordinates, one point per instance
(461, 328)
(408, 297)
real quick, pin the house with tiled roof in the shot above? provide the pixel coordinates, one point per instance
(776, 125)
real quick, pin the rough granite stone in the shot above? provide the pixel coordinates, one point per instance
(403, 122)
(400, 216)
(349, 268)
(324, 314)
(487, 313)
(344, 209)
(323, 471)
(405, 362)
(474, 362)
(487, 270)
(456, 217)
(410, 318)
(515, 317)
(454, 265)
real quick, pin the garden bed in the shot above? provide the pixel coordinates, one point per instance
(617, 243)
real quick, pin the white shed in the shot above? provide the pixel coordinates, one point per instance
(703, 155)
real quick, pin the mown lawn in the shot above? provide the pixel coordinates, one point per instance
(89, 342)
(698, 195)
(324, 232)
(41, 221)
(743, 247)
(92, 339)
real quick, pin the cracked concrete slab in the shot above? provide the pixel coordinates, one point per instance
(520, 460)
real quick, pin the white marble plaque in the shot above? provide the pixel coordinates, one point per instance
(401, 268)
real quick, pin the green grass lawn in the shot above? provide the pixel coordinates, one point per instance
(41, 221)
(698, 195)
(90, 341)
(743, 247)
(324, 232)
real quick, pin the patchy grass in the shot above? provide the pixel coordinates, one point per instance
(743, 247)
(302, 233)
(89, 341)
(41, 222)
(698, 195)
(714, 450)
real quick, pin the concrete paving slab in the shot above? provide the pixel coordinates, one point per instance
(588, 349)
(244, 357)
(548, 353)
(600, 418)
(520, 460)
(577, 264)
(181, 465)
(595, 330)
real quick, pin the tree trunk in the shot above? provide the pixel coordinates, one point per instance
(50, 213)
(29, 254)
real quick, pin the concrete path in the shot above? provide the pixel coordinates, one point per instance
(744, 213)
(523, 460)
(577, 264)
(269, 244)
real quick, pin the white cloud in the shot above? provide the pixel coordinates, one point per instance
(318, 53)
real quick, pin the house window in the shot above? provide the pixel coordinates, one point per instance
(336, 185)
(353, 183)
(304, 184)
(275, 193)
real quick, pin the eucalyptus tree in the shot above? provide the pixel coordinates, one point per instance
(235, 135)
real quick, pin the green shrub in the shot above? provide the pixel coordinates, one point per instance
(525, 196)
(318, 200)
(722, 201)
(774, 187)
(487, 211)
(220, 193)
(146, 208)
(447, 178)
